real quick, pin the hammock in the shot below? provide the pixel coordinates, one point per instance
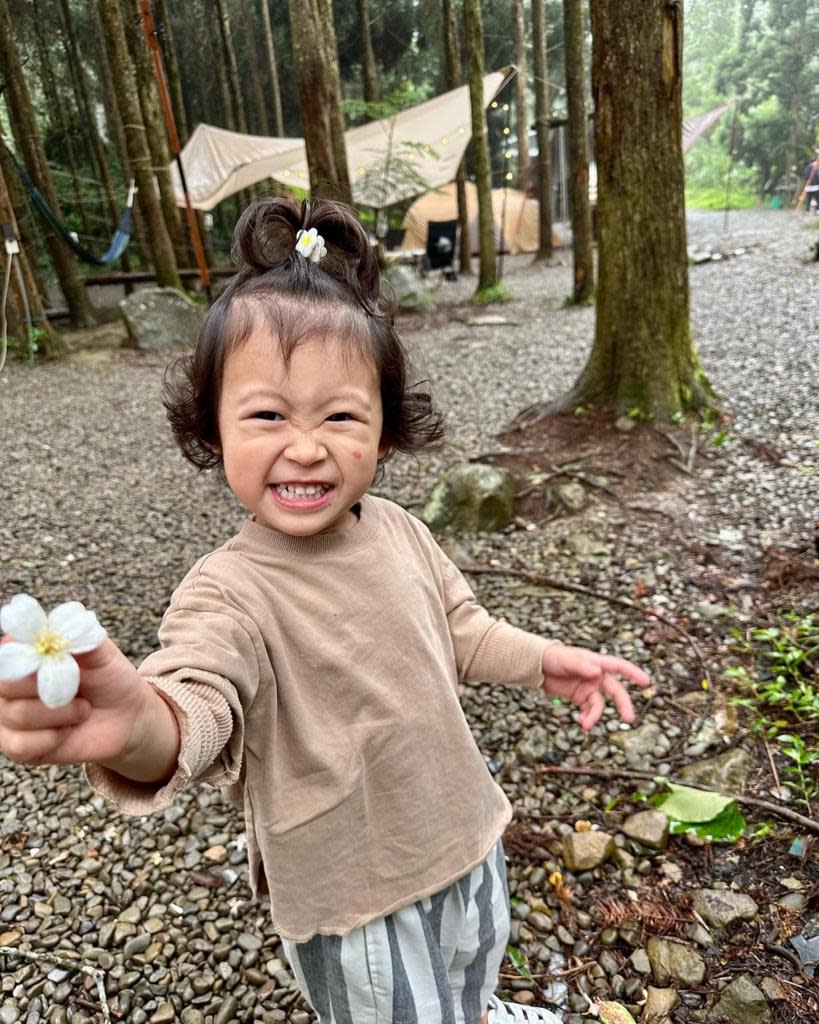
(119, 242)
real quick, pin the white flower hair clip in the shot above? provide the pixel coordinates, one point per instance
(311, 245)
(45, 644)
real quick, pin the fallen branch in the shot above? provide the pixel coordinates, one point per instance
(576, 588)
(69, 965)
(622, 773)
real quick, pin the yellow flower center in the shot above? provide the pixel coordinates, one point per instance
(50, 644)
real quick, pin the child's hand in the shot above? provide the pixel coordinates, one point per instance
(587, 679)
(96, 725)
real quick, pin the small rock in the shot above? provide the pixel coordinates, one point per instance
(640, 962)
(659, 1004)
(583, 851)
(138, 944)
(572, 495)
(722, 907)
(164, 1014)
(650, 828)
(743, 1003)
(216, 854)
(472, 498)
(625, 424)
(727, 771)
(675, 961)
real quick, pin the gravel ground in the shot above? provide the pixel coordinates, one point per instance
(99, 506)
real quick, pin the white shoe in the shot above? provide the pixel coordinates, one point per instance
(509, 1013)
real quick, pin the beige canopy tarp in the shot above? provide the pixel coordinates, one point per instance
(389, 160)
(521, 229)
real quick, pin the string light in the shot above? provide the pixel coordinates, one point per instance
(506, 106)
(508, 154)
(509, 176)
(494, 104)
(462, 131)
(445, 141)
(506, 131)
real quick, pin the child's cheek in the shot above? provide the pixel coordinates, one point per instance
(356, 454)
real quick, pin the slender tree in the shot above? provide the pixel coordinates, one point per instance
(316, 97)
(369, 68)
(543, 116)
(454, 78)
(643, 357)
(171, 62)
(27, 135)
(28, 298)
(229, 56)
(259, 122)
(582, 250)
(272, 68)
(521, 88)
(156, 132)
(327, 22)
(19, 205)
(138, 152)
(487, 274)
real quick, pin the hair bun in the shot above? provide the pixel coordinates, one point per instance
(265, 237)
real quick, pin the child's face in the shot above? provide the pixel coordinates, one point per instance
(300, 443)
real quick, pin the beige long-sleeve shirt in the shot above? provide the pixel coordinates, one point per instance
(320, 675)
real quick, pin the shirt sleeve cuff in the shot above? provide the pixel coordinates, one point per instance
(510, 656)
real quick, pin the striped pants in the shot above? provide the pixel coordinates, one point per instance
(431, 962)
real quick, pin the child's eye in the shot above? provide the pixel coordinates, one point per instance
(267, 414)
(339, 417)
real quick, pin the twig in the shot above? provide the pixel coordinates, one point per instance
(774, 772)
(576, 588)
(622, 773)
(692, 454)
(69, 965)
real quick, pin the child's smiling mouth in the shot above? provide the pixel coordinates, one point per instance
(302, 496)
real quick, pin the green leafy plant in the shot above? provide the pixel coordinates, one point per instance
(801, 757)
(497, 292)
(519, 962)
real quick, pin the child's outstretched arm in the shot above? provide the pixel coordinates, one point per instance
(588, 680)
(117, 720)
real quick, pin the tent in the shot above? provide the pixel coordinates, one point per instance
(389, 160)
(521, 229)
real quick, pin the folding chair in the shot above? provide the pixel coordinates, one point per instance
(442, 241)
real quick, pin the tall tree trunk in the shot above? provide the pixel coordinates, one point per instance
(543, 115)
(19, 205)
(56, 112)
(156, 132)
(171, 62)
(583, 253)
(259, 122)
(272, 69)
(454, 78)
(230, 62)
(327, 22)
(316, 97)
(643, 357)
(369, 68)
(99, 160)
(50, 343)
(138, 152)
(800, 38)
(218, 65)
(487, 274)
(116, 129)
(521, 112)
(31, 147)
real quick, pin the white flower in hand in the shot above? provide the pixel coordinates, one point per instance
(311, 245)
(45, 645)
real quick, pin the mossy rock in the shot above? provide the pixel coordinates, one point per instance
(472, 498)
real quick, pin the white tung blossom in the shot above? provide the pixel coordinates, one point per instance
(311, 245)
(44, 644)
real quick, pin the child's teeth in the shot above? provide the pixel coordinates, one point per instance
(300, 491)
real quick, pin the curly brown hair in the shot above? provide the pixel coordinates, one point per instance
(338, 298)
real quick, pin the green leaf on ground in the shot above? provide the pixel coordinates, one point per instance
(519, 962)
(686, 804)
(727, 827)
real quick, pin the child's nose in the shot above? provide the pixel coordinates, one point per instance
(305, 448)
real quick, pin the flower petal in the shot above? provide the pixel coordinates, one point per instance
(58, 680)
(22, 618)
(78, 626)
(18, 660)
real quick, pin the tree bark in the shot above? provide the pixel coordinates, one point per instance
(180, 113)
(31, 148)
(369, 68)
(259, 122)
(316, 97)
(218, 65)
(272, 69)
(582, 249)
(19, 205)
(521, 112)
(50, 343)
(327, 22)
(487, 273)
(232, 68)
(454, 78)
(543, 114)
(156, 132)
(138, 153)
(643, 358)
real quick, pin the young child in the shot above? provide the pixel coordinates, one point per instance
(312, 662)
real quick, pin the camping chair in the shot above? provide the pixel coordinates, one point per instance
(442, 241)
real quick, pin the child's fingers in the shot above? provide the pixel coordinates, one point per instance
(623, 668)
(592, 709)
(12, 689)
(618, 695)
(28, 714)
(34, 747)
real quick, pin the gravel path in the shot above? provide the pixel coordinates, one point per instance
(98, 505)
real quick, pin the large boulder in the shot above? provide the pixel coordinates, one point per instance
(160, 318)
(407, 289)
(472, 498)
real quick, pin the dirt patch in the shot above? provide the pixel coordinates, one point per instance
(620, 467)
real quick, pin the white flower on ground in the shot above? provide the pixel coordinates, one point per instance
(311, 245)
(44, 644)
